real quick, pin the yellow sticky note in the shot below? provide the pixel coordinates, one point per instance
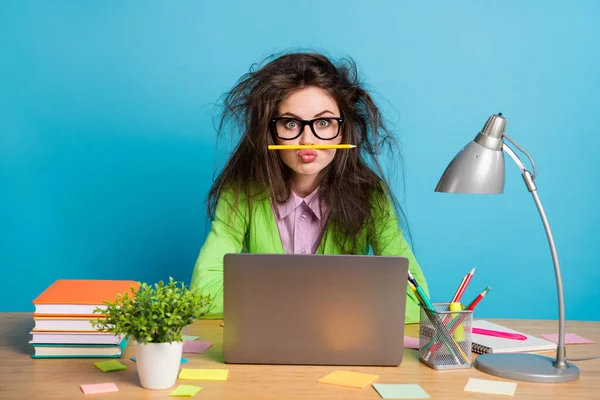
(347, 378)
(204, 374)
(492, 387)
(185, 391)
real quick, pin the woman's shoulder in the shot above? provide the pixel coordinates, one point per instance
(379, 194)
(240, 199)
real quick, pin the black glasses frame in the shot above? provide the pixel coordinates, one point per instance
(304, 122)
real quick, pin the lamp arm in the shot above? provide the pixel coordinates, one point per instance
(512, 155)
(524, 152)
(528, 178)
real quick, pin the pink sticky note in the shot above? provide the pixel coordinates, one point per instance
(99, 388)
(195, 346)
(411, 342)
(570, 338)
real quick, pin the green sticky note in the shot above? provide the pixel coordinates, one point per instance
(109, 366)
(400, 391)
(185, 391)
(187, 337)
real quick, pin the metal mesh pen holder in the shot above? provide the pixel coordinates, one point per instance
(445, 337)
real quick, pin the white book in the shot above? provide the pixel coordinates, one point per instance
(70, 309)
(491, 344)
(63, 324)
(75, 338)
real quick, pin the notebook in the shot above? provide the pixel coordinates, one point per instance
(80, 297)
(490, 344)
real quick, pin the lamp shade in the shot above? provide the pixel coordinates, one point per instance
(479, 167)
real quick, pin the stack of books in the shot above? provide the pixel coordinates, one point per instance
(63, 319)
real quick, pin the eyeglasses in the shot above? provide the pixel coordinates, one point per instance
(287, 128)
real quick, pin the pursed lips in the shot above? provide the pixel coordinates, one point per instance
(307, 155)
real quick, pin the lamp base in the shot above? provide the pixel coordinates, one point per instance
(525, 367)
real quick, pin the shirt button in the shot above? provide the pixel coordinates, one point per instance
(302, 217)
(303, 251)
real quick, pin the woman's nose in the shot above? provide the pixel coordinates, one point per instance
(307, 136)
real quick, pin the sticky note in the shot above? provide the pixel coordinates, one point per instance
(204, 374)
(99, 388)
(183, 360)
(348, 378)
(195, 346)
(570, 338)
(109, 366)
(411, 342)
(188, 337)
(400, 391)
(185, 391)
(492, 387)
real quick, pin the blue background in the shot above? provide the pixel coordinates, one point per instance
(107, 144)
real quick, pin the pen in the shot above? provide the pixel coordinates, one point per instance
(310, 146)
(419, 290)
(505, 335)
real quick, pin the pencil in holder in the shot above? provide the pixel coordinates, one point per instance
(445, 337)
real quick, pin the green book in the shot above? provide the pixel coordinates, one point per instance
(43, 350)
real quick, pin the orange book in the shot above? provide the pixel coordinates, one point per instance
(79, 297)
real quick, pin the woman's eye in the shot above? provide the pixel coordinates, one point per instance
(291, 125)
(323, 123)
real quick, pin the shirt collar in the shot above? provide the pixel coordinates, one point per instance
(294, 201)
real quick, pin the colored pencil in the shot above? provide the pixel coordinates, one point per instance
(463, 286)
(478, 298)
(310, 146)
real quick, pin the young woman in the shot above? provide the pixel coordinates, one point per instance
(307, 200)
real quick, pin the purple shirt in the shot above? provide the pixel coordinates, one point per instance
(300, 223)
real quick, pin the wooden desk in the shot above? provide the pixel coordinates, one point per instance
(22, 377)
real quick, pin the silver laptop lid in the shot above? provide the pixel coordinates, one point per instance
(314, 309)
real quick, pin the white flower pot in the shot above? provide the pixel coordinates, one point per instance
(158, 364)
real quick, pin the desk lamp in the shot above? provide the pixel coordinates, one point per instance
(479, 169)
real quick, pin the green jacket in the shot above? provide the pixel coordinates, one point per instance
(231, 232)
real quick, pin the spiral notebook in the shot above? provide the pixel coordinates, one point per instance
(482, 344)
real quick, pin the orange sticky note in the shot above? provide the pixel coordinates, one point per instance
(348, 378)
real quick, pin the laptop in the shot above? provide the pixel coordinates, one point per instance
(307, 309)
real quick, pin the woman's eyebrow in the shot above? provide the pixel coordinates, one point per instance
(322, 112)
(285, 114)
(289, 114)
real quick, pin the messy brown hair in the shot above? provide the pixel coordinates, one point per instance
(347, 186)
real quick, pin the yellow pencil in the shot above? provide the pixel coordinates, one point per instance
(310, 146)
(414, 289)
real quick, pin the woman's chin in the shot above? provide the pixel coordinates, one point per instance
(307, 169)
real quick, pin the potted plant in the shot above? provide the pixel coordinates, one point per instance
(154, 317)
